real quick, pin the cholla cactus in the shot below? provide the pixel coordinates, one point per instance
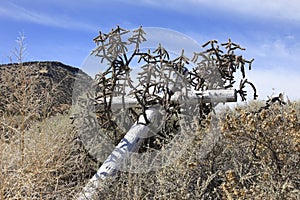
(160, 76)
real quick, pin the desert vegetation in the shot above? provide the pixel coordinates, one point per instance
(255, 153)
(256, 157)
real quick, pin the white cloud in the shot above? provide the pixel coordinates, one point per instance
(280, 9)
(276, 56)
(281, 52)
(276, 9)
(276, 80)
(18, 13)
(276, 66)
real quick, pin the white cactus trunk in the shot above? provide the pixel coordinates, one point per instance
(208, 96)
(130, 143)
(138, 132)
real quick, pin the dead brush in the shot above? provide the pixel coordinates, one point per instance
(265, 148)
(246, 163)
(54, 166)
(39, 156)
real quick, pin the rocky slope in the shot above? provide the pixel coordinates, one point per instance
(38, 87)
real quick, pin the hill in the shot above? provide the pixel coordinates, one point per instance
(49, 85)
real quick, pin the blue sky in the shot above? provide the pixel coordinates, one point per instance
(63, 30)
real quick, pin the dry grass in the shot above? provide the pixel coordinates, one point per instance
(53, 165)
(255, 157)
(40, 157)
